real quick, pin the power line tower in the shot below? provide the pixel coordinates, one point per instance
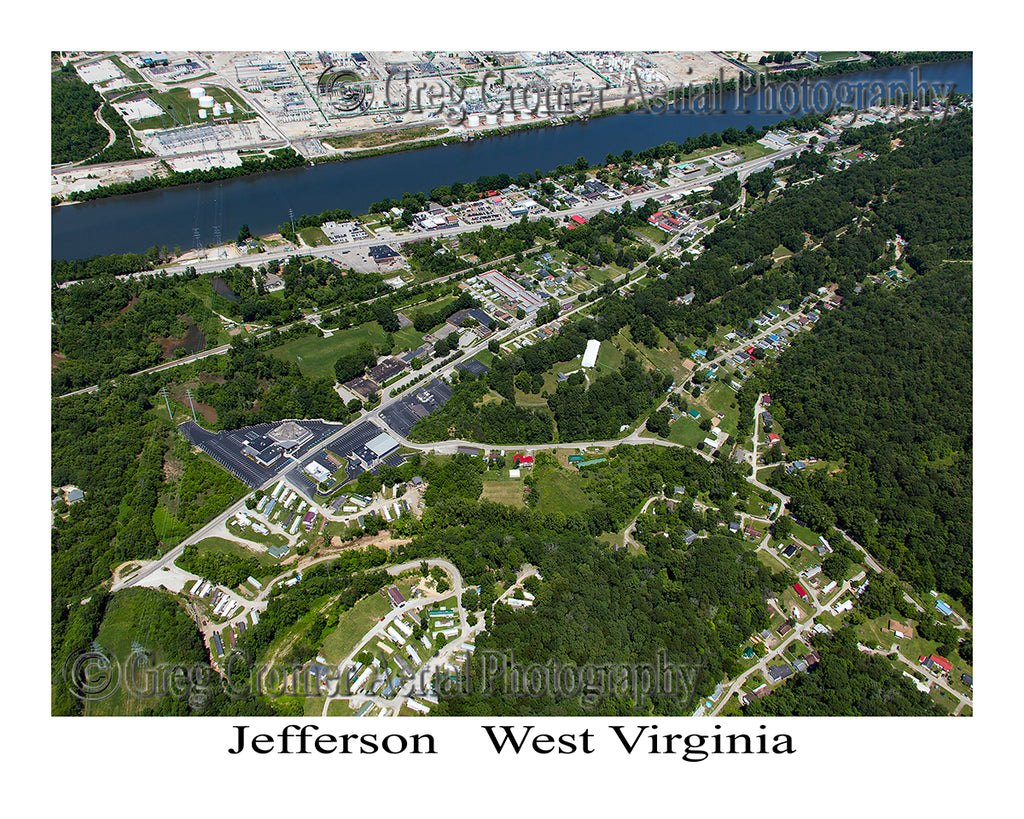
(163, 392)
(291, 218)
(216, 214)
(189, 394)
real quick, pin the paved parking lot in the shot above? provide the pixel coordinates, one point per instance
(403, 415)
(226, 448)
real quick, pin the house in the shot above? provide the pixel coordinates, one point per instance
(800, 590)
(967, 679)
(900, 630)
(800, 666)
(936, 663)
(943, 607)
(779, 672)
(75, 494)
(761, 691)
(789, 551)
(734, 527)
(784, 629)
(522, 460)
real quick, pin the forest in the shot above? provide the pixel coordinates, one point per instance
(103, 327)
(74, 132)
(884, 386)
(128, 463)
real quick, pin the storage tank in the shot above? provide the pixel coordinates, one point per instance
(202, 113)
(229, 107)
(473, 120)
(492, 119)
(508, 117)
(216, 109)
(197, 91)
(206, 102)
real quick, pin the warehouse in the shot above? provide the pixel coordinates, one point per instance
(590, 355)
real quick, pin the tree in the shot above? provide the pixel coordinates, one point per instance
(783, 527)
(659, 422)
(243, 234)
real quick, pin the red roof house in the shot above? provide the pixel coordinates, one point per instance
(579, 220)
(522, 460)
(800, 590)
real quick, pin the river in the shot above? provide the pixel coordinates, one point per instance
(170, 216)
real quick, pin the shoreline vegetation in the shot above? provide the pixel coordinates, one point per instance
(288, 158)
(65, 270)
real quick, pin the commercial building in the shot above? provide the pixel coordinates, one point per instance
(590, 354)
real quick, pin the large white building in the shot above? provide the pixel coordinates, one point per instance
(590, 354)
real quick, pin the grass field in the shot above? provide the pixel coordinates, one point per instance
(314, 236)
(352, 625)
(832, 56)
(656, 235)
(131, 619)
(378, 138)
(561, 491)
(686, 431)
(508, 491)
(719, 398)
(271, 539)
(316, 355)
(178, 102)
(223, 546)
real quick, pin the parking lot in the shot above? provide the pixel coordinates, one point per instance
(403, 415)
(226, 448)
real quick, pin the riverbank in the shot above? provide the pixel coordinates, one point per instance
(714, 91)
(171, 216)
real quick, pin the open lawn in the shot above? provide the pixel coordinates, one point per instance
(832, 56)
(316, 355)
(508, 491)
(686, 431)
(221, 545)
(656, 235)
(352, 626)
(719, 398)
(314, 236)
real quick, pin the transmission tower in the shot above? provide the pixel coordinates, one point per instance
(189, 394)
(163, 392)
(216, 215)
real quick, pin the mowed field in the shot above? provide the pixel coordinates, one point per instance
(507, 491)
(316, 355)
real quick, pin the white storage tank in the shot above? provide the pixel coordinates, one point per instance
(206, 102)
(197, 91)
(202, 113)
(216, 109)
(473, 120)
(492, 119)
(229, 107)
(508, 117)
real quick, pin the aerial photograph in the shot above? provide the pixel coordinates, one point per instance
(610, 384)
